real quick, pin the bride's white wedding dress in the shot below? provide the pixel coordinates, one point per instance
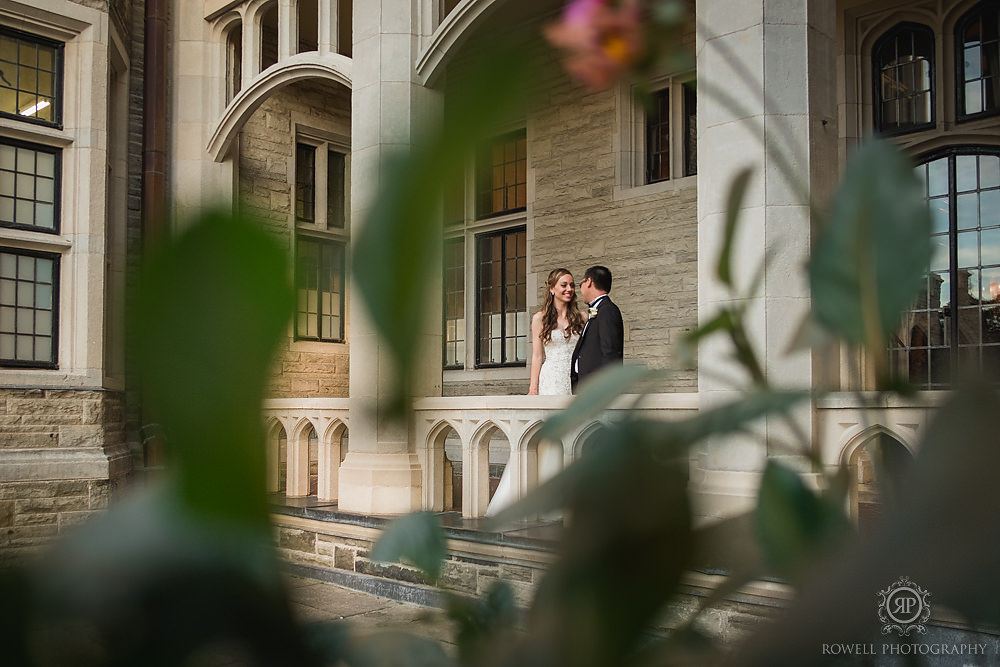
(553, 380)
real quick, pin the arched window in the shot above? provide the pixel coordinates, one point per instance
(269, 36)
(308, 24)
(977, 44)
(903, 61)
(955, 322)
(234, 61)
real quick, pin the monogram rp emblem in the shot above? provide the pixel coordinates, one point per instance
(903, 607)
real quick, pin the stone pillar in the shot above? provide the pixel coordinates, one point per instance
(767, 94)
(328, 26)
(288, 29)
(381, 473)
(197, 100)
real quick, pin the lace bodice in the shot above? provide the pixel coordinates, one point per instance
(553, 378)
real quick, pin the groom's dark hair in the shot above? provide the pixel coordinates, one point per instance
(601, 277)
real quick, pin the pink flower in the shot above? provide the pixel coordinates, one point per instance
(601, 39)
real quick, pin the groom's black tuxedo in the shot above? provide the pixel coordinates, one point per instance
(601, 343)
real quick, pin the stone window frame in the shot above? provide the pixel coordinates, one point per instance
(324, 142)
(97, 209)
(630, 141)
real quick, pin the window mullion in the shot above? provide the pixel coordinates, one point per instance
(953, 325)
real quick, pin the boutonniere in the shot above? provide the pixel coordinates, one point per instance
(592, 312)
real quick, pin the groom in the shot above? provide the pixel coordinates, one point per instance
(603, 336)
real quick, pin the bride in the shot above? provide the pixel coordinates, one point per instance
(555, 329)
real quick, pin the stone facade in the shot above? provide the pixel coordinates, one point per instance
(63, 458)
(472, 567)
(64, 451)
(266, 191)
(649, 241)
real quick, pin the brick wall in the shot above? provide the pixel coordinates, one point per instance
(267, 145)
(62, 458)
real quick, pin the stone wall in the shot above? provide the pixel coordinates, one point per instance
(62, 458)
(267, 148)
(579, 216)
(470, 571)
(650, 242)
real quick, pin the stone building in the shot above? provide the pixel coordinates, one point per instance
(288, 108)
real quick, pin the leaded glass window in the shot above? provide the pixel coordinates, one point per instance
(978, 53)
(502, 176)
(29, 296)
(503, 324)
(30, 77)
(320, 287)
(904, 75)
(955, 322)
(29, 186)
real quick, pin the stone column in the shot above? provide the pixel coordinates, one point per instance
(288, 33)
(767, 100)
(381, 473)
(197, 100)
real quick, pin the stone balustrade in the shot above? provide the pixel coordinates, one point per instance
(448, 431)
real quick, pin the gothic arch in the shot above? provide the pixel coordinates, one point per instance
(301, 67)
(450, 34)
(852, 448)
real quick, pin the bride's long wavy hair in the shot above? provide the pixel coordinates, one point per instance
(550, 317)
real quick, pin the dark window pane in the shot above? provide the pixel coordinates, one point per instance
(336, 188)
(502, 297)
(29, 186)
(319, 286)
(978, 54)
(454, 296)
(29, 77)
(305, 182)
(501, 176)
(903, 61)
(956, 315)
(658, 137)
(28, 308)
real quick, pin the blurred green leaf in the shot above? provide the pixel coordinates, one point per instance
(484, 625)
(330, 641)
(417, 538)
(399, 649)
(623, 550)
(870, 258)
(398, 247)
(793, 523)
(942, 534)
(585, 471)
(214, 302)
(154, 582)
(737, 190)
(595, 395)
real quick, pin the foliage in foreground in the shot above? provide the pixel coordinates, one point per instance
(187, 572)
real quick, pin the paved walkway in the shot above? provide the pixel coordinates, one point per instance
(314, 600)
